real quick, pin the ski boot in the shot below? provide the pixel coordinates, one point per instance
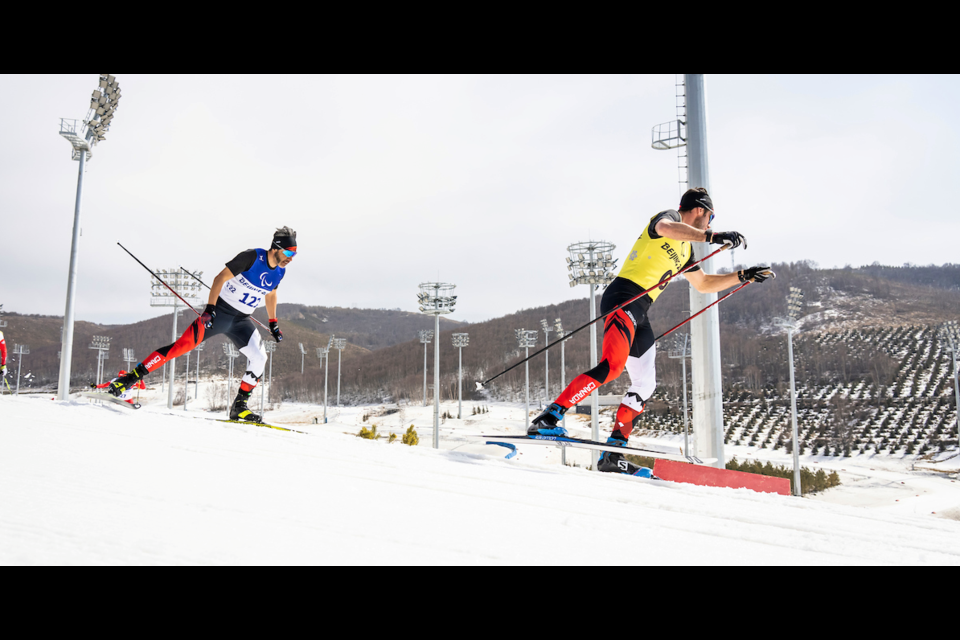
(613, 462)
(125, 383)
(240, 411)
(547, 423)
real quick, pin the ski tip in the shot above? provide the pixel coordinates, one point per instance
(479, 386)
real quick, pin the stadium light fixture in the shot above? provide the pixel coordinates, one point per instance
(324, 354)
(460, 340)
(20, 350)
(82, 139)
(592, 263)
(526, 339)
(437, 299)
(791, 324)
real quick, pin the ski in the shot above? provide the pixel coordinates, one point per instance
(258, 424)
(102, 395)
(648, 450)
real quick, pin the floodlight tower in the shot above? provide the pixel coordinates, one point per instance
(460, 340)
(101, 344)
(196, 389)
(339, 344)
(681, 349)
(436, 298)
(129, 358)
(20, 350)
(324, 354)
(3, 322)
(592, 263)
(527, 339)
(303, 355)
(558, 327)
(950, 331)
(231, 353)
(794, 304)
(426, 337)
(546, 361)
(103, 104)
(690, 131)
(189, 289)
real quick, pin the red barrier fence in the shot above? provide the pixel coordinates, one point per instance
(710, 477)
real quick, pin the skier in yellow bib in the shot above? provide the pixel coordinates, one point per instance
(663, 249)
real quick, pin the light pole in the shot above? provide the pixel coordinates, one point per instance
(196, 389)
(592, 263)
(436, 298)
(231, 353)
(20, 350)
(546, 361)
(160, 296)
(681, 349)
(558, 327)
(425, 338)
(339, 344)
(303, 355)
(129, 358)
(324, 354)
(270, 347)
(103, 104)
(101, 344)
(527, 339)
(460, 340)
(950, 332)
(794, 304)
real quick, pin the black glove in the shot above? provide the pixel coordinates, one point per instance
(209, 313)
(275, 330)
(755, 274)
(732, 239)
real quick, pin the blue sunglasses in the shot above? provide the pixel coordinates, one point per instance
(288, 253)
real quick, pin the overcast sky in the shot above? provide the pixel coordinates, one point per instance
(481, 181)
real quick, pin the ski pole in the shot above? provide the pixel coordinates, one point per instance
(160, 279)
(666, 333)
(616, 308)
(208, 286)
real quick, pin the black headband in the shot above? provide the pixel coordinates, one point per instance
(284, 242)
(696, 199)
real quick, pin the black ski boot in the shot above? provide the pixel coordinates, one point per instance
(127, 382)
(548, 422)
(240, 411)
(613, 462)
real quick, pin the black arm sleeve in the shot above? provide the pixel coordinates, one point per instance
(670, 214)
(243, 261)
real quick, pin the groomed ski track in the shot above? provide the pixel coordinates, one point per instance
(84, 484)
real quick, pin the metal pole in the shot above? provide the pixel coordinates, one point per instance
(460, 387)
(956, 379)
(546, 365)
(326, 375)
(706, 372)
(793, 415)
(563, 385)
(686, 419)
(19, 364)
(424, 374)
(186, 382)
(196, 390)
(594, 396)
(66, 349)
(526, 391)
(339, 358)
(173, 362)
(436, 381)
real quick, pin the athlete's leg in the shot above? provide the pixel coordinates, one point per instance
(256, 356)
(643, 381)
(618, 334)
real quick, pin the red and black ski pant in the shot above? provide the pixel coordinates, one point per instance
(236, 326)
(628, 343)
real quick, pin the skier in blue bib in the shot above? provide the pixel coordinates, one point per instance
(247, 282)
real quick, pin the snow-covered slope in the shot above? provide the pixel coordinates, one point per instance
(85, 484)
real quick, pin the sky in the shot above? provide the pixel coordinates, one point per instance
(480, 181)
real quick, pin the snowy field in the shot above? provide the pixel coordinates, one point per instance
(87, 484)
